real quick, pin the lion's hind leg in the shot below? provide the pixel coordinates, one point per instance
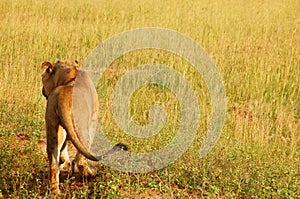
(55, 142)
(81, 164)
(65, 163)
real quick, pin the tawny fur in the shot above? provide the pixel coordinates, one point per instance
(65, 86)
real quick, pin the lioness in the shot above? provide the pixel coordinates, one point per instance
(61, 94)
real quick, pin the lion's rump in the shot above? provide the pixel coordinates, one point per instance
(85, 108)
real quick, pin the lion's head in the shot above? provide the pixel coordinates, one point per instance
(61, 73)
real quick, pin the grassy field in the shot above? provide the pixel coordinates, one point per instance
(255, 45)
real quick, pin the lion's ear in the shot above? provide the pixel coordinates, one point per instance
(76, 64)
(47, 67)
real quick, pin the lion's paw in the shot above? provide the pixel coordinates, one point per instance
(66, 167)
(86, 170)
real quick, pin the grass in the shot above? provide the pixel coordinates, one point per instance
(255, 46)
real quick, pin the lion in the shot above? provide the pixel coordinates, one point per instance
(62, 95)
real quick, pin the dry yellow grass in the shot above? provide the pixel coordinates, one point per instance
(255, 45)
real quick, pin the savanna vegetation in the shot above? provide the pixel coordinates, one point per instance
(255, 45)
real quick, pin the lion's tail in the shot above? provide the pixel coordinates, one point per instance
(116, 148)
(69, 125)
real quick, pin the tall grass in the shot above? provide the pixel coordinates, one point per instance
(255, 45)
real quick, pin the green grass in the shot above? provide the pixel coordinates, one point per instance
(255, 45)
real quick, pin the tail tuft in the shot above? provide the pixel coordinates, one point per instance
(116, 148)
(122, 146)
